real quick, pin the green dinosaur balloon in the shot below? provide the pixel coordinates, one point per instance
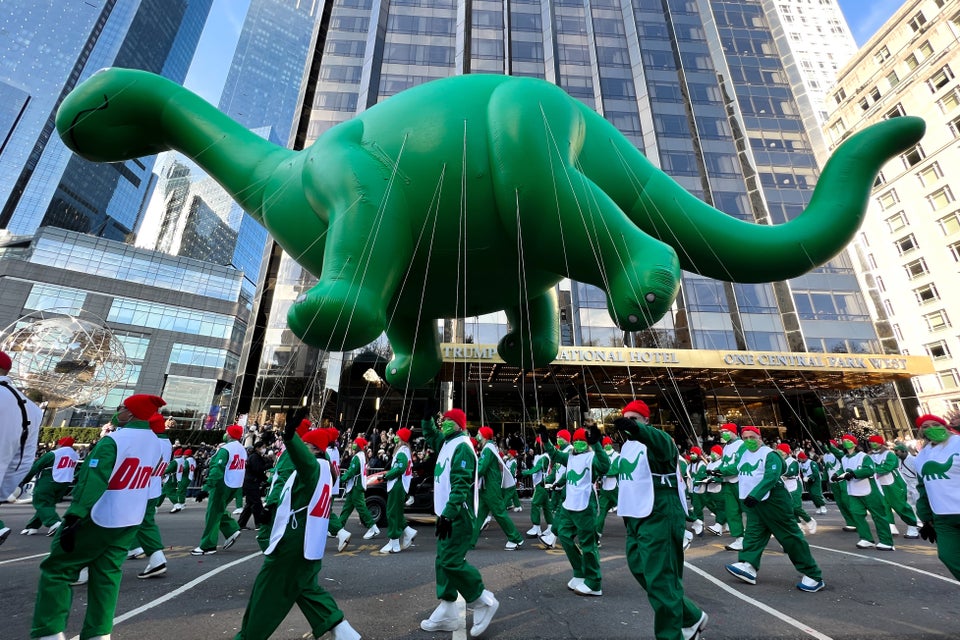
(470, 195)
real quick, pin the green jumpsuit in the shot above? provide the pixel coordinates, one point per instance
(217, 519)
(184, 483)
(541, 498)
(608, 497)
(895, 494)
(792, 471)
(491, 497)
(812, 468)
(454, 574)
(939, 476)
(148, 535)
(286, 576)
(396, 497)
(511, 499)
(46, 492)
(732, 509)
(873, 502)
(169, 483)
(356, 498)
(577, 530)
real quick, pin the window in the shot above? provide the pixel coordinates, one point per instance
(840, 96)
(864, 104)
(926, 293)
(912, 156)
(61, 299)
(896, 112)
(940, 198)
(879, 181)
(888, 199)
(882, 288)
(888, 307)
(930, 174)
(882, 54)
(937, 350)
(906, 244)
(837, 129)
(875, 94)
(897, 221)
(940, 79)
(871, 261)
(950, 101)
(937, 320)
(950, 224)
(912, 62)
(893, 79)
(954, 126)
(898, 334)
(955, 251)
(926, 50)
(916, 268)
(917, 21)
(948, 379)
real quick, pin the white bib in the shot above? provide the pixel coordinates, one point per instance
(731, 453)
(64, 463)
(538, 475)
(939, 466)
(317, 510)
(191, 466)
(879, 457)
(832, 464)
(635, 480)
(407, 473)
(362, 457)
(441, 474)
(125, 500)
(178, 474)
(579, 481)
(751, 470)
(236, 464)
(609, 483)
(156, 482)
(714, 487)
(790, 483)
(333, 455)
(857, 486)
(698, 487)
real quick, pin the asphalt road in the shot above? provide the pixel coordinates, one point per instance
(871, 595)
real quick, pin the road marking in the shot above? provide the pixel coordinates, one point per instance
(39, 555)
(176, 592)
(774, 612)
(896, 564)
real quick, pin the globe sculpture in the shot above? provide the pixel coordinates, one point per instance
(63, 360)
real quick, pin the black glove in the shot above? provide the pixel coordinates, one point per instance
(750, 501)
(593, 434)
(201, 495)
(444, 528)
(928, 533)
(290, 430)
(628, 428)
(847, 475)
(68, 532)
(269, 513)
(543, 434)
(715, 473)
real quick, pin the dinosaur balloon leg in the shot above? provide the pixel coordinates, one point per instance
(534, 336)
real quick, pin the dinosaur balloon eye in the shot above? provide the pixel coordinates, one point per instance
(632, 318)
(650, 297)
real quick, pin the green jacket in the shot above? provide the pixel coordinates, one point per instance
(462, 467)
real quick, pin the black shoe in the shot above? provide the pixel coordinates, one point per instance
(159, 570)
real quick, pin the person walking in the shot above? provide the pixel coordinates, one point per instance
(225, 473)
(698, 490)
(714, 496)
(491, 474)
(188, 465)
(833, 467)
(540, 502)
(355, 490)
(865, 496)
(793, 485)
(811, 475)
(107, 508)
(730, 463)
(654, 511)
(53, 475)
(398, 478)
(608, 486)
(511, 499)
(19, 431)
(893, 486)
(148, 541)
(171, 480)
(938, 486)
(770, 511)
(455, 498)
(254, 479)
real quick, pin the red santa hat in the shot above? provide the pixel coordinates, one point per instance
(235, 431)
(5, 362)
(188, 452)
(65, 442)
(606, 440)
(849, 437)
(747, 428)
(783, 446)
(458, 416)
(563, 433)
(317, 437)
(485, 432)
(143, 405)
(580, 434)
(877, 439)
(304, 426)
(637, 406)
(929, 417)
(332, 436)
(177, 453)
(801, 455)
(717, 449)
(697, 451)
(729, 427)
(360, 441)
(404, 434)
(512, 453)
(834, 442)
(158, 424)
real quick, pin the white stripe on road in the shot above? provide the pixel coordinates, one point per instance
(774, 612)
(176, 592)
(896, 564)
(39, 555)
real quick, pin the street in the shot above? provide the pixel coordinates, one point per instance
(870, 594)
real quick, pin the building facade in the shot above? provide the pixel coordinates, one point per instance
(909, 247)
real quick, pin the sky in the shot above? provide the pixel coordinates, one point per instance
(208, 72)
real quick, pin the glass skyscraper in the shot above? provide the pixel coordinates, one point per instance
(48, 48)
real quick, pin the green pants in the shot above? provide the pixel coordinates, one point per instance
(608, 500)
(879, 511)
(796, 498)
(556, 500)
(896, 496)
(816, 493)
(356, 498)
(169, 492)
(454, 574)
(102, 551)
(774, 516)
(396, 521)
(540, 502)
(148, 535)
(217, 519)
(491, 501)
(577, 533)
(182, 487)
(510, 497)
(843, 502)
(655, 558)
(46, 495)
(732, 508)
(948, 541)
(698, 502)
(716, 503)
(287, 578)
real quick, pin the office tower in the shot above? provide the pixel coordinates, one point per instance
(909, 247)
(702, 88)
(48, 48)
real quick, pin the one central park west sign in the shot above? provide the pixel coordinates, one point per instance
(706, 359)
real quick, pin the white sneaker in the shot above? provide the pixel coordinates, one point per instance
(371, 532)
(548, 539)
(156, 566)
(443, 618)
(726, 528)
(176, 507)
(893, 530)
(687, 539)
(392, 546)
(343, 539)
(53, 528)
(698, 527)
(583, 590)
(865, 544)
(885, 547)
(517, 509)
(135, 553)
(534, 531)
(409, 533)
(715, 529)
(810, 585)
(744, 571)
(82, 577)
(912, 533)
(483, 609)
(486, 523)
(344, 631)
(812, 526)
(693, 631)
(56, 636)
(822, 510)
(229, 542)
(30, 532)
(409, 502)
(4, 534)
(513, 546)
(237, 512)
(736, 545)
(574, 583)
(848, 527)
(202, 552)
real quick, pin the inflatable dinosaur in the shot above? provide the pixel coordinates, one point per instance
(471, 195)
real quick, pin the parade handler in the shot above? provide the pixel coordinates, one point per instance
(576, 520)
(892, 485)
(294, 555)
(730, 462)
(794, 486)
(608, 486)
(171, 478)
(938, 484)
(398, 486)
(810, 471)
(770, 511)
(355, 490)
(833, 468)
(19, 430)
(148, 538)
(454, 503)
(224, 480)
(189, 467)
(108, 505)
(654, 511)
(492, 473)
(864, 495)
(540, 503)
(511, 500)
(53, 474)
